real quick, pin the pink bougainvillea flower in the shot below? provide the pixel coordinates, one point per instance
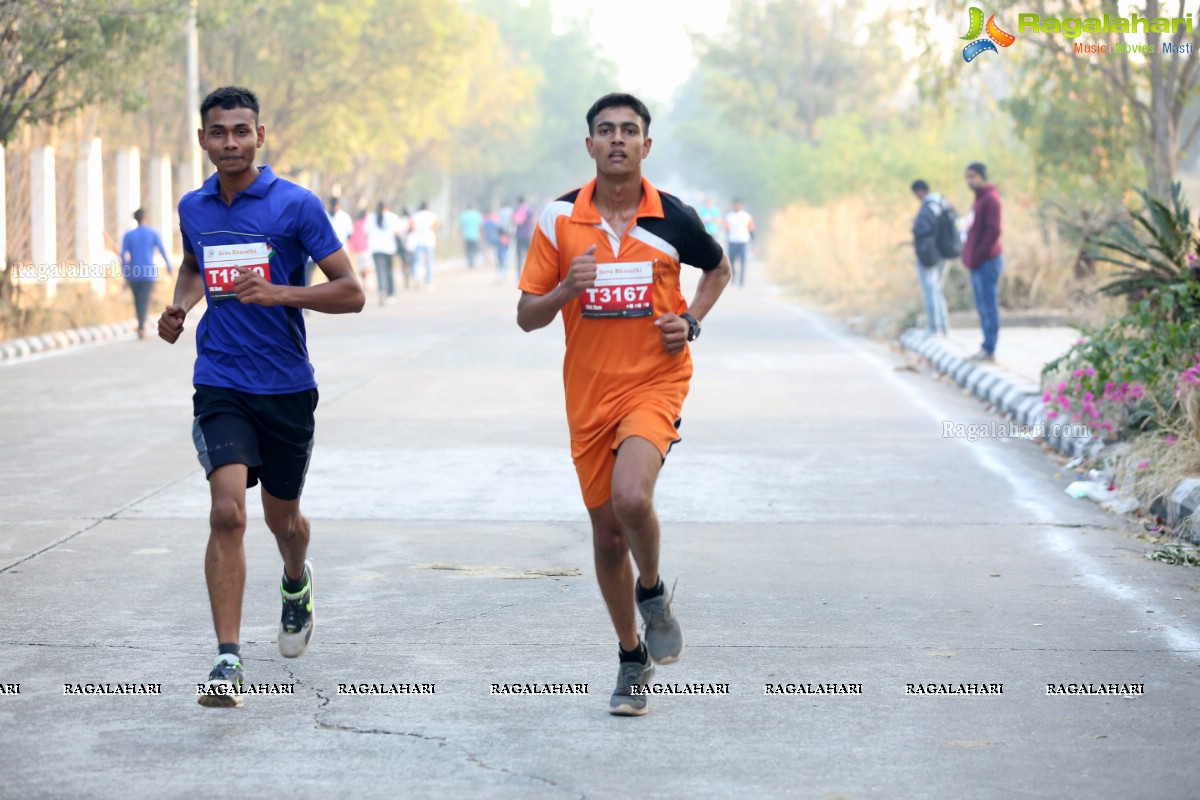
(1143, 465)
(1171, 439)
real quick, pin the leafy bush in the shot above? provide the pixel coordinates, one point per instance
(1139, 372)
(1155, 251)
(1129, 375)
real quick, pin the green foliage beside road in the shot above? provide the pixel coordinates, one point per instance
(58, 56)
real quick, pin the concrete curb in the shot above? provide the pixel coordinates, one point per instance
(60, 340)
(1022, 402)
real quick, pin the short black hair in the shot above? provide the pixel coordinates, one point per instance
(228, 97)
(139, 215)
(978, 166)
(920, 186)
(618, 100)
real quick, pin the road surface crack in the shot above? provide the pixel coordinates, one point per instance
(440, 741)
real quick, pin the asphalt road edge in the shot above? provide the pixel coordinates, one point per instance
(1021, 401)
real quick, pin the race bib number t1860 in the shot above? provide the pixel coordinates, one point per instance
(221, 264)
(623, 289)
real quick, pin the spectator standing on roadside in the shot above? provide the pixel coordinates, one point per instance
(982, 257)
(931, 266)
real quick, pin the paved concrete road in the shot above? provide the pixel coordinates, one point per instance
(821, 527)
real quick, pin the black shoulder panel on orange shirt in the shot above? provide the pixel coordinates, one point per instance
(681, 226)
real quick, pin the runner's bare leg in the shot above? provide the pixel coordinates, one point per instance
(627, 523)
(225, 559)
(291, 532)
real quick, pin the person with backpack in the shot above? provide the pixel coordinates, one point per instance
(935, 236)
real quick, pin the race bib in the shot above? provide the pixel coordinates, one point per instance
(221, 264)
(623, 289)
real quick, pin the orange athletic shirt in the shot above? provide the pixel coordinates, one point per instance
(613, 365)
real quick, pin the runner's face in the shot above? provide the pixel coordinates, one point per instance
(619, 143)
(231, 139)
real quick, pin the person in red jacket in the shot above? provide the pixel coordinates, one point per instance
(982, 257)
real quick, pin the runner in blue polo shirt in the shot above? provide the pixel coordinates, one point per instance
(246, 237)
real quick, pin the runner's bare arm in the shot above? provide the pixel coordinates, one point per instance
(539, 310)
(189, 290)
(341, 294)
(712, 283)
(674, 329)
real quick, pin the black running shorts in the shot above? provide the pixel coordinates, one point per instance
(272, 434)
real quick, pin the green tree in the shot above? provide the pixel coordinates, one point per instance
(58, 56)
(788, 64)
(1100, 106)
(569, 75)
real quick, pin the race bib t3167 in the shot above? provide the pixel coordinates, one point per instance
(221, 263)
(623, 289)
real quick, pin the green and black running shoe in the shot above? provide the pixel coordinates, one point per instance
(298, 620)
(224, 686)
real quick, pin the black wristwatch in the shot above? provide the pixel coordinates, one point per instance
(693, 327)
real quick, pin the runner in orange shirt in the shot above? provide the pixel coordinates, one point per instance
(608, 257)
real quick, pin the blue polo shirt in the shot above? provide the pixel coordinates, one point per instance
(137, 254)
(252, 348)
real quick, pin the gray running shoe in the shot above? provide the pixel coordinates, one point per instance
(298, 620)
(664, 639)
(224, 686)
(624, 702)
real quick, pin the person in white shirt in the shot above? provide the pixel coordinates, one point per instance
(424, 240)
(739, 226)
(404, 247)
(382, 228)
(343, 225)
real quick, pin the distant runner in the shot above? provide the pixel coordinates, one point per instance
(740, 227)
(246, 237)
(608, 257)
(137, 264)
(710, 215)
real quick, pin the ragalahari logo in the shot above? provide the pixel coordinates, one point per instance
(995, 36)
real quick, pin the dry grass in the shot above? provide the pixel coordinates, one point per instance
(854, 257)
(1152, 465)
(75, 305)
(848, 259)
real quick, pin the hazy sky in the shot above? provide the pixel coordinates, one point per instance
(648, 39)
